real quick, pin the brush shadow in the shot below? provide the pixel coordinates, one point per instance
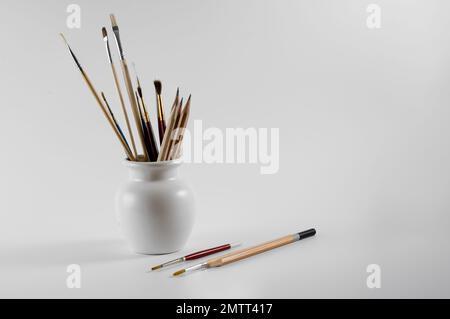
(66, 252)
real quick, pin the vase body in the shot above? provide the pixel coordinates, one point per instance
(155, 208)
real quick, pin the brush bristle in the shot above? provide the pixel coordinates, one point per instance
(156, 267)
(64, 38)
(105, 34)
(158, 86)
(179, 272)
(113, 20)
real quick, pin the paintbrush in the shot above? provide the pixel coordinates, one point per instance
(248, 252)
(175, 102)
(153, 149)
(119, 91)
(115, 120)
(160, 110)
(175, 132)
(170, 128)
(196, 255)
(184, 117)
(128, 84)
(144, 127)
(99, 101)
(148, 132)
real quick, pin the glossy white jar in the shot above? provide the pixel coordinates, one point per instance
(155, 208)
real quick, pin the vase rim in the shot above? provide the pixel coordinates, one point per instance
(174, 162)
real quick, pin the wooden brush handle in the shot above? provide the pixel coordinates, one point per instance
(108, 117)
(245, 253)
(124, 110)
(134, 107)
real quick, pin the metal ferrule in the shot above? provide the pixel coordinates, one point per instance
(108, 50)
(119, 44)
(198, 266)
(173, 262)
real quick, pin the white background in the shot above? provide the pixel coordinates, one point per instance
(364, 146)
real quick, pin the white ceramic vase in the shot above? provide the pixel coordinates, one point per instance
(155, 209)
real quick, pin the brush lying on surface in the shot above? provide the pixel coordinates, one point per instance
(248, 252)
(170, 138)
(196, 255)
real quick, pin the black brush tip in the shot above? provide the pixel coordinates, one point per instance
(158, 86)
(139, 91)
(307, 233)
(104, 33)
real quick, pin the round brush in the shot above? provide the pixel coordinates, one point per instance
(196, 255)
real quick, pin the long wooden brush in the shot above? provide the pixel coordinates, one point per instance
(129, 85)
(99, 101)
(119, 91)
(116, 123)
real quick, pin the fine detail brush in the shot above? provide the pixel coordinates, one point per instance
(196, 255)
(175, 131)
(128, 84)
(248, 252)
(160, 110)
(115, 120)
(99, 101)
(145, 128)
(168, 134)
(175, 102)
(181, 127)
(119, 91)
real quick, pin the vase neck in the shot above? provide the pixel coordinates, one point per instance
(152, 173)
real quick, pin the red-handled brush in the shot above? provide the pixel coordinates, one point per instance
(196, 255)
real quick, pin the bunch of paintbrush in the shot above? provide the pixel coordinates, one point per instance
(168, 146)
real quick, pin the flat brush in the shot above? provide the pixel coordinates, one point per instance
(128, 84)
(196, 255)
(248, 252)
(98, 100)
(160, 110)
(119, 91)
(115, 120)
